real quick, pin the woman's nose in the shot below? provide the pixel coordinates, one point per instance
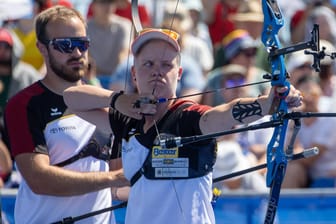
(156, 72)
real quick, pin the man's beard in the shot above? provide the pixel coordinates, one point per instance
(73, 75)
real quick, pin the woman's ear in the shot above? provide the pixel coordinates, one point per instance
(180, 73)
(133, 74)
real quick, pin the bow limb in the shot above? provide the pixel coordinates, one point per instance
(136, 16)
(276, 157)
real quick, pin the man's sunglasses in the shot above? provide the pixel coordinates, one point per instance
(68, 45)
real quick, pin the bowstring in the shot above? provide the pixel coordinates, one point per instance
(153, 91)
(126, 80)
(128, 58)
(155, 122)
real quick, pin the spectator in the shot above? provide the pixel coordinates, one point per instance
(225, 77)
(14, 73)
(252, 143)
(198, 28)
(110, 37)
(218, 18)
(317, 171)
(299, 65)
(5, 164)
(64, 161)
(327, 78)
(316, 12)
(240, 48)
(249, 17)
(230, 159)
(24, 29)
(91, 75)
(179, 20)
(124, 9)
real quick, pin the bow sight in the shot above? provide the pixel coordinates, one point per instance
(313, 44)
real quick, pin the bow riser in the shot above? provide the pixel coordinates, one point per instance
(276, 157)
(275, 152)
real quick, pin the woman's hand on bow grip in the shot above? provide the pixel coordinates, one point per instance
(293, 98)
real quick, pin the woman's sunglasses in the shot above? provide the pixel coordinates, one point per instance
(68, 45)
(174, 35)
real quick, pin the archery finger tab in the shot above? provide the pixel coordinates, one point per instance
(136, 104)
(148, 109)
(143, 100)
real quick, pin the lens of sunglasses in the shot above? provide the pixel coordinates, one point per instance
(68, 45)
(174, 35)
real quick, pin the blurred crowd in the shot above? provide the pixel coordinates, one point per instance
(221, 48)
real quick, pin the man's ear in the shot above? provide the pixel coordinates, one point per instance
(42, 48)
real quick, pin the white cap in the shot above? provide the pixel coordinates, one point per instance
(146, 35)
(229, 159)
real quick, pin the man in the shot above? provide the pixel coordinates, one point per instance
(169, 184)
(63, 160)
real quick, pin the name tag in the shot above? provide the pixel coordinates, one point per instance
(167, 164)
(171, 172)
(171, 162)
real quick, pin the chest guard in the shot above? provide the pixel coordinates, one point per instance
(189, 161)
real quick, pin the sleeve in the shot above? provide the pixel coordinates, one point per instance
(24, 132)
(189, 119)
(120, 125)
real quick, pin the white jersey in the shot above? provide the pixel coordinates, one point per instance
(186, 201)
(42, 127)
(168, 200)
(33, 208)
